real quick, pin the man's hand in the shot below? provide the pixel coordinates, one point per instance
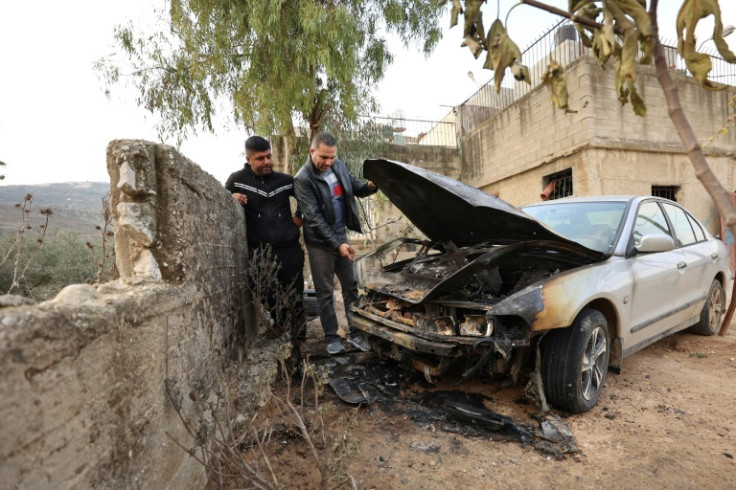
(371, 185)
(241, 198)
(297, 221)
(345, 250)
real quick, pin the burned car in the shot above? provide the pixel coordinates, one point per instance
(567, 287)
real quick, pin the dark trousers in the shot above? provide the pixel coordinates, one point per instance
(325, 264)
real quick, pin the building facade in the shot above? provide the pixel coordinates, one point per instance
(602, 147)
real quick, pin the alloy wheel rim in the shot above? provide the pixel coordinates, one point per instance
(715, 307)
(593, 369)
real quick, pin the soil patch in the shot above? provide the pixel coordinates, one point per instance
(667, 421)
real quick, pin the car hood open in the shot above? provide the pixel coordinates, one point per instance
(445, 209)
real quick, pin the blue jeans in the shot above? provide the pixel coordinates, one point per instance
(325, 264)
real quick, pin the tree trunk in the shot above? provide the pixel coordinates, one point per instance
(694, 151)
(317, 116)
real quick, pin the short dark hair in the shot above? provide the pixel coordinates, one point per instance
(323, 139)
(256, 143)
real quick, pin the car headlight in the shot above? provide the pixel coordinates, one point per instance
(477, 326)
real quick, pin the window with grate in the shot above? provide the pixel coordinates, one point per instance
(562, 184)
(666, 191)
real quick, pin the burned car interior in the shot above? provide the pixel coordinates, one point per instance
(492, 285)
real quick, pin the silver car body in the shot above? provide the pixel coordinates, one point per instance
(652, 294)
(495, 278)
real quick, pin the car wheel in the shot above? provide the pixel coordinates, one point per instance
(575, 362)
(712, 314)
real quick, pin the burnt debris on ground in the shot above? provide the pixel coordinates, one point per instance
(361, 378)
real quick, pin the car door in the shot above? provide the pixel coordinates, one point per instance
(656, 291)
(698, 266)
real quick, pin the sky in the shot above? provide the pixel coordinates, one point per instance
(55, 120)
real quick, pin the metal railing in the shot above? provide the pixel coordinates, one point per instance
(406, 131)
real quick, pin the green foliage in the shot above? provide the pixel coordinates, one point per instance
(272, 61)
(60, 260)
(38, 265)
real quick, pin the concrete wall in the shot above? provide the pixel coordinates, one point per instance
(84, 377)
(610, 150)
(441, 159)
(444, 160)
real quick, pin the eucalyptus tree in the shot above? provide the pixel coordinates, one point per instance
(275, 62)
(627, 32)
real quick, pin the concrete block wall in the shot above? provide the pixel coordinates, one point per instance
(441, 159)
(444, 160)
(528, 134)
(609, 149)
(91, 381)
(615, 124)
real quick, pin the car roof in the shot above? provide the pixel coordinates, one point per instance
(621, 198)
(586, 199)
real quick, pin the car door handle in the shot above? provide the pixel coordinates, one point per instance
(682, 265)
(714, 255)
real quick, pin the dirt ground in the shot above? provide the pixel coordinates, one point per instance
(667, 421)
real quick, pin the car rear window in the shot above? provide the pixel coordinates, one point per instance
(684, 233)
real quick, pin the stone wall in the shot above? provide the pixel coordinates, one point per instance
(93, 381)
(608, 148)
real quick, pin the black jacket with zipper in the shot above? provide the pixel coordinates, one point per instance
(268, 216)
(315, 201)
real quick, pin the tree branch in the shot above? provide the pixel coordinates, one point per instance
(703, 171)
(566, 14)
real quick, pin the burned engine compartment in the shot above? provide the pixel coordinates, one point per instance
(439, 300)
(484, 274)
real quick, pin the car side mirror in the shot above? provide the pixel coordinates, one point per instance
(655, 242)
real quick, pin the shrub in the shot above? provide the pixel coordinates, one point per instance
(60, 260)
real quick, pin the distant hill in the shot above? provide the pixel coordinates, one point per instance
(77, 206)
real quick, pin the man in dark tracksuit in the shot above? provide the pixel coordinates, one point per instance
(326, 194)
(264, 194)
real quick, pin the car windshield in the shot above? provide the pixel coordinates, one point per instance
(591, 224)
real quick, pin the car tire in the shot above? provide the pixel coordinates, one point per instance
(712, 314)
(575, 362)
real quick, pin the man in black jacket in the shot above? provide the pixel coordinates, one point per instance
(264, 194)
(326, 193)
